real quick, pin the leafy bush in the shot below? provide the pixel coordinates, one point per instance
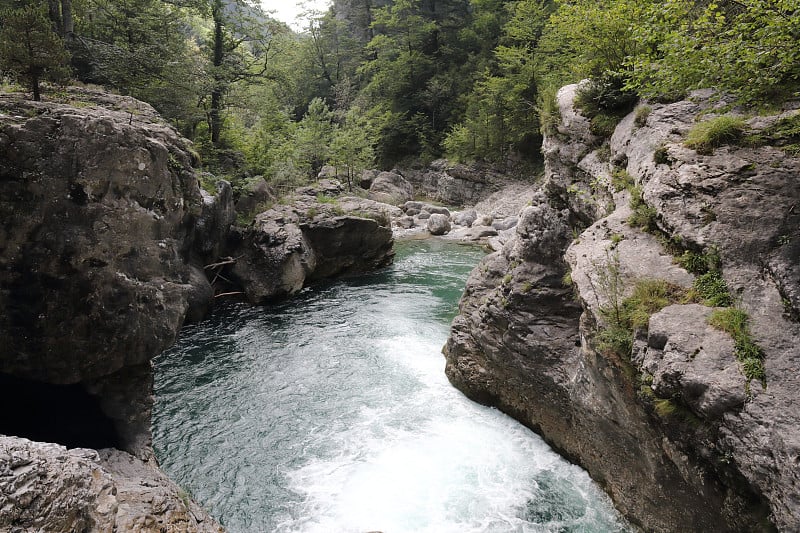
(605, 100)
(707, 135)
(621, 179)
(649, 296)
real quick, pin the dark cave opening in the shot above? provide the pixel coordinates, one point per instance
(64, 414)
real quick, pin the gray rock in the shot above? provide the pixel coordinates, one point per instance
(505, 224)
(690, 360)
(436, 210)
(327, 171)
(214, 222)
(423, 215)
(98, 212)
(465, 218)
(292, 245)
(256, 196)
(405, 222)
(391, 188)
(438, 224)
(45, 487)
(411, 204)
(367, 177)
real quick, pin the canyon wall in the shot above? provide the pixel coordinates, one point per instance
(671, 427)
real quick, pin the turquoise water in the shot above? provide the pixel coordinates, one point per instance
(331, 413)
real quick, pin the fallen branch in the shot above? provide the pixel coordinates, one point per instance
(220, 295)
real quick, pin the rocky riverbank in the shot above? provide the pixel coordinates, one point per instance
(669, 415)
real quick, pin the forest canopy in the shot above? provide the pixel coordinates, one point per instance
(385, 82)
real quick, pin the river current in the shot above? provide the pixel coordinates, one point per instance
(331, 413)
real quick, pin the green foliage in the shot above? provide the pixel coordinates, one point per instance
(748, 48)
(709, 134)
(29, 48)
(700, 263)
(661, 156)
(734, 321)
(712, 290)
(325, 199)
(622, 180)
(605, 100)
(644, 216)
(624, 316)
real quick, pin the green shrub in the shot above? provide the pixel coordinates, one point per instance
(661, 156)
(712, 290)
(709, 134)
(734, 321)
(644, 216)
(700, 263)
(648, 297)
(325, 199)
(549, 112)
(621, 179)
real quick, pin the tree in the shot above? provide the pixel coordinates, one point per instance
(313, 137)
(242, 46)
(29, 48)
(351, 149)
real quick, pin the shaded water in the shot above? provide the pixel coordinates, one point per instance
(331, 413)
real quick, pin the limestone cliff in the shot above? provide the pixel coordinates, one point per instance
(98, 211)
(671, 428)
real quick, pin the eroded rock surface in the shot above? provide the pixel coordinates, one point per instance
(45, 487)
(99, 211)
(672, 431)
(313, 237)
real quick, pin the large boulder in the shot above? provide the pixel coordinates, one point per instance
(391, 188)
(98, 213)
(312, 238)
(438, 224)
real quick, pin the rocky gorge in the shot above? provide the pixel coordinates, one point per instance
(109, 245)
(672, 420)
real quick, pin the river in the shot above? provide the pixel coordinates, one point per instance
(331, 413)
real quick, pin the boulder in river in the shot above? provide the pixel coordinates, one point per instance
(312, 238)
(438, 224)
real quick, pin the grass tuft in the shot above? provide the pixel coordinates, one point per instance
(707, 135)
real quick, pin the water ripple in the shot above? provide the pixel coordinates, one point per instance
(331, 413)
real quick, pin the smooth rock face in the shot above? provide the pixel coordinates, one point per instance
(45, 487)
(671, 432)
(390, 188)
(292, 245)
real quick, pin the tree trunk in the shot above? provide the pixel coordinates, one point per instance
(66, 16)
(54, 12)
(217, 59)
(37, 96)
